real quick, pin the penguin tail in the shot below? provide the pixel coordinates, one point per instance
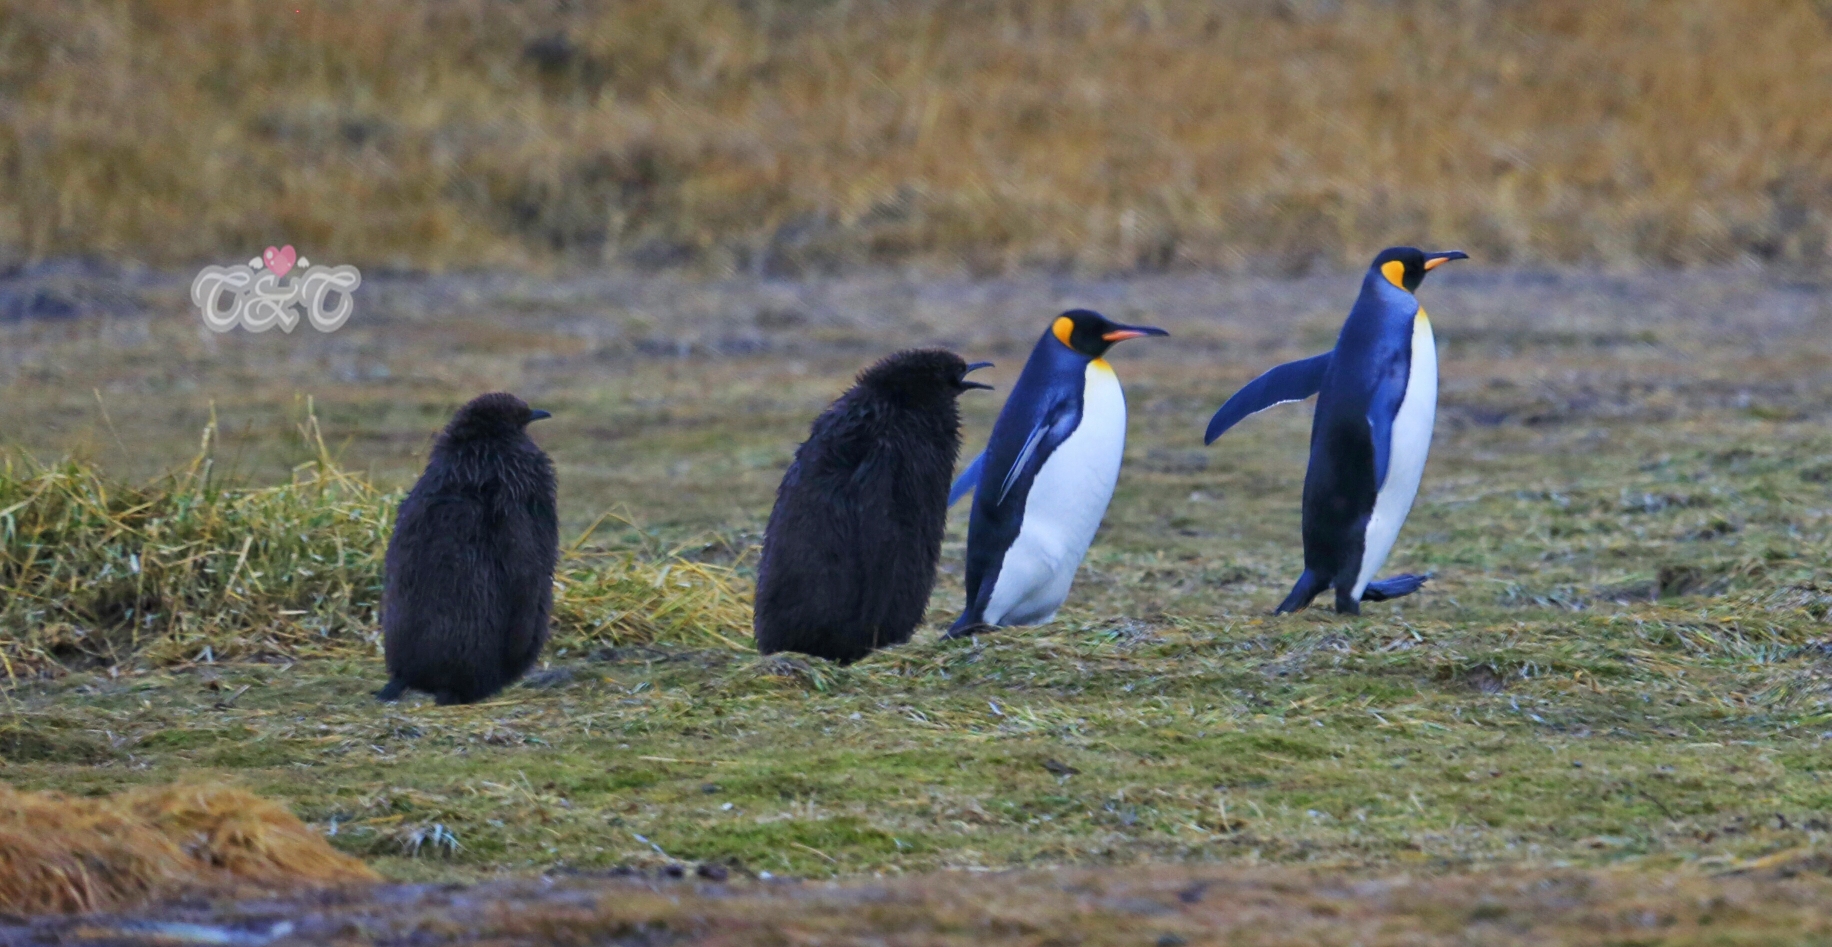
(1393, 587)
(392, 692)
(1308, 586)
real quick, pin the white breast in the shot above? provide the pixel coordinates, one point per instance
(1067, 500)
(1418, 410)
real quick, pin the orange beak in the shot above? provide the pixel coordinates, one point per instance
(1118, 335)
(1433, 261)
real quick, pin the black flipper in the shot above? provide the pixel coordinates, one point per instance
(1309, 585)
(1393, 587)
(1292, 381)
(392, 692)
(1009, 466)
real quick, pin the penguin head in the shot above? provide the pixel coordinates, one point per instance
(917, 374)
(492, 416)
(1406, 267)
(1092, 334)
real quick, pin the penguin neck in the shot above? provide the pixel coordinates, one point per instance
(940, 418)
(1051, 357)
(513, 464)
(1381, 306)
(935, 410)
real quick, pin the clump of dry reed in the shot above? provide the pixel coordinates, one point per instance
(621, 598)
(784, 137)
(63, 854)
(187, 569)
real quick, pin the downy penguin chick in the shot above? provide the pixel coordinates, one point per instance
(850, 552)
(468, 579)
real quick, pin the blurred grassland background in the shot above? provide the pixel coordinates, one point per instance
(789, 137)
(1622, 662)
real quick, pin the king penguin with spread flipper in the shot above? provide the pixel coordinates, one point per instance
(1377, 397)
(1042, 485)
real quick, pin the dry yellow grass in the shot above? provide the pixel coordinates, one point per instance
(64, 854)
(187, 568)
(788, 136)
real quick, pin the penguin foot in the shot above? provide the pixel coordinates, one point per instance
(392, 692)
(1309, 586)
(1393, 587)
(963, 631)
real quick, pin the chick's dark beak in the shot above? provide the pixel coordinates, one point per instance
(976, 366)
(1432, 260)
(537, 414)
(1121, 333)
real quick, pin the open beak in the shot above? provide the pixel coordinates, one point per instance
(976, 366)
(1123, 333)
(537, 414)
(1433, 259)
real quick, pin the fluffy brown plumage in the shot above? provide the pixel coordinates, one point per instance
(850, 552)
(469, 572)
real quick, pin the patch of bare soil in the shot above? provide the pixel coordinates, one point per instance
(1771, 901)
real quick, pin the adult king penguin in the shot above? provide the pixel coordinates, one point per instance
(1043, 482)
(1377, 396)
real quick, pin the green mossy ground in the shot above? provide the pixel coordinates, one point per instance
(1623, 659)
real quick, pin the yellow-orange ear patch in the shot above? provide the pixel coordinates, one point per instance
(1063, 327)
(1395, 272)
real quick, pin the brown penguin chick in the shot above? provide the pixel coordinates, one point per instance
(850, 552)
(469, 574)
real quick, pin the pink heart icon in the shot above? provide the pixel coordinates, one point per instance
(280, 261)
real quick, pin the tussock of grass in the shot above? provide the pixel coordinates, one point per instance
(185, 567)
(619, 598)
(189, 569)
(65, 854)
(797, 137)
